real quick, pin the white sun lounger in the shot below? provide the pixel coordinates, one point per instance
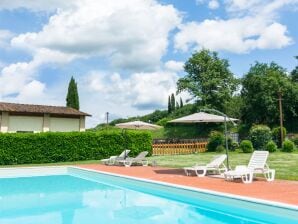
(113, 159)
(139, 159)
(257, 165)
(216, 165)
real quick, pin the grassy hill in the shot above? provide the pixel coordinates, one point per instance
(170, 130)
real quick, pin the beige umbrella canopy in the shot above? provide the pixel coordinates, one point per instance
(138, 125)
(202, 117)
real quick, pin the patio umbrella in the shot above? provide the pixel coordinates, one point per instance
(138, 125)
(203, 117)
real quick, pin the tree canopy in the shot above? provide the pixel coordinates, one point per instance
(260, 89)
(209, 80)
(72, 98)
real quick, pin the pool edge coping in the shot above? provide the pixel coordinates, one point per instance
(200, 190)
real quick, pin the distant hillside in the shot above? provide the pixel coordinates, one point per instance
(170, 130)
(160, 117)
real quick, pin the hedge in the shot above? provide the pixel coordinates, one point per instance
(24, 148)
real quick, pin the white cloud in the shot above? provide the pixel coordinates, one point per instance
(124, 31)
(5, 36)
(144, 91)
(258, 29)
(36, 5)
(33, 92)
(175, 66)
(213, 4)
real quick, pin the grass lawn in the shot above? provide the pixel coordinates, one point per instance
(285, 164)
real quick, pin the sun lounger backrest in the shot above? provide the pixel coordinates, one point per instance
(124, 153)
(141, 155)
(217, 161)
(258, 160)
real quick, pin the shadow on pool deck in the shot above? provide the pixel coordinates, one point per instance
(279, 190)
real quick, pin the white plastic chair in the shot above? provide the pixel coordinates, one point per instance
(113, 159)
(216, 165)
(257, 165)
(139, 159)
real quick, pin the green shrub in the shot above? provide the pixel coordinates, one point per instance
(234, 146)
(220, 148)
(22, 148)
(246, 146)
(288, 146)
(271, 146)
(276, 135)
(215, 139)
(260, 135)
(295, 140)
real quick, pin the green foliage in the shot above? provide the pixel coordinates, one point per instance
(173, 102)
(72, 98)
(260, 135)
(232, 146)
(181, 103)
(246, 146)
(271, 146)
(169, 105)
(233, 107)
(295, 140)
(27, 148)
(215, 139)
(277, 137)
(260, 93)
(208, 80)
(220, 148)
(294, 73)
(288, 146)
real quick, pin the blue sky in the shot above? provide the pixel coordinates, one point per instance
(127, 55)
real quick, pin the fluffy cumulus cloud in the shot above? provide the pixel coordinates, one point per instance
(144, 91)
(132, 35)
(252, 25)
(124, 31)
(176, 66)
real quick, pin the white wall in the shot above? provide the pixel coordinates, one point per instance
(64, 124)
(25, 123)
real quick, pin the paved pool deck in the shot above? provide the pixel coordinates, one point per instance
(278, 190)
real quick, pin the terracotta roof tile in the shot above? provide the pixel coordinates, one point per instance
(30, 108)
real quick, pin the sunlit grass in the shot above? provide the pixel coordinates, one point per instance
(285, 164)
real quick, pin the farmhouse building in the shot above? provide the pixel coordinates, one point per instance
(38, 118)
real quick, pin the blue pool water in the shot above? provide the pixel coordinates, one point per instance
(84, 197)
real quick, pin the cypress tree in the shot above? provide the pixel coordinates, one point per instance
(173, 102)
(181, 103)
(72, 98)
(177, 105)
(169, 105)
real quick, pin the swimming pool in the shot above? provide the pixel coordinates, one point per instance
(73, 195)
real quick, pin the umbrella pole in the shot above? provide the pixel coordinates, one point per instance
(227, 145)
(124, 132)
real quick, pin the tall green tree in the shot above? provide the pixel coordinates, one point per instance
(169, 105)
(173, 102)
(209, 80)
(294, 73)
(181, 103)
(72, 98)
(260, 87)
